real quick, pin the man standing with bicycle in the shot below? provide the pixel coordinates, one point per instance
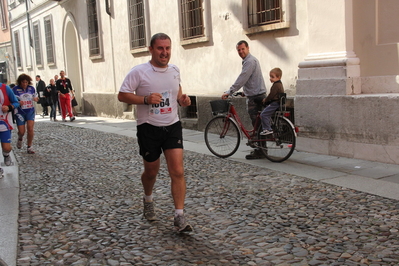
(253, 84)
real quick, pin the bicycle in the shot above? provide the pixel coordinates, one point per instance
(225, 130)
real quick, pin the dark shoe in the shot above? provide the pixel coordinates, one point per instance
(7, 160)
(19, 143)
(255, 154)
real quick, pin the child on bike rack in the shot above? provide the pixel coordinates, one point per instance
(272, 100)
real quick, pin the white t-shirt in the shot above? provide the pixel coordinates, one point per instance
(145, 79)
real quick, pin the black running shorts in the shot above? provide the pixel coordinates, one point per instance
(153, 140)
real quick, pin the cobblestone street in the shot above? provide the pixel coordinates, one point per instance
(81, 204)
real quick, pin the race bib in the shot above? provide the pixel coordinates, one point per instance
(26, 101)
(164, 107)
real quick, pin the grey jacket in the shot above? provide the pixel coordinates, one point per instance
(250, 79)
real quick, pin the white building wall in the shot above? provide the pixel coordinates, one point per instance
(332, 56)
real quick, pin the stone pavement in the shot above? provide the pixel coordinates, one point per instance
(77, 201)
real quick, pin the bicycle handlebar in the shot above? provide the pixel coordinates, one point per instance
(238, 93)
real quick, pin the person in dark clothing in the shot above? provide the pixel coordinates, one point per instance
(272, 100)
(52, 99)
(41, 88)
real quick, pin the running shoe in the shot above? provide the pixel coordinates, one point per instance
(181, 224)
(7, 160)
(72, 118)
(30, 150)
(266, 132)
(149, 211)
(19, 143)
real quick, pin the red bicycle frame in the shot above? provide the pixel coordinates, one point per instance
(248, 133)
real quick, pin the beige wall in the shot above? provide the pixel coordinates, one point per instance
(376, 44)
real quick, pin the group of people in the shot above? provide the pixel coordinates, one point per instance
(156, 90)
(57, 94)
(17, 104)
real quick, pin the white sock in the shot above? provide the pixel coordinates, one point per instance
(178, 212)
(6, 154)
(148, 198)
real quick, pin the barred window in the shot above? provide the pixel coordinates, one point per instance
(263, 12)
(3, 15)
(94, 39)
(192, 19)
(17, 49)
(137, 24)
(36, 44)
(48, 32)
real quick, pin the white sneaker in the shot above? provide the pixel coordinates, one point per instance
(266, 132)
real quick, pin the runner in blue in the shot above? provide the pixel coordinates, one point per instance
(25, 116)
(8, 103)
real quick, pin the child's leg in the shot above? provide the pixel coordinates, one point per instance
(267, 114)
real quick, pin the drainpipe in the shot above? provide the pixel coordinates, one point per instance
(28, 20)
(107, 9)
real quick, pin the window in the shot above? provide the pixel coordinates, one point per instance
(36, 44)
(27, 42)
(3, 15)
(94, 39)
(17, 49)
(192, 19)
(137, 24)
(266, 15)
(48, 32)
(262, 12)
(11, 3)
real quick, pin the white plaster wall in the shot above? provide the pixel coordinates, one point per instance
(208, 69)
(38, 10)
(342, 108)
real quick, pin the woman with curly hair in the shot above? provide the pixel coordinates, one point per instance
(25, 116)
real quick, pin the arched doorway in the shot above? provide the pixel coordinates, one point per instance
(72, 59)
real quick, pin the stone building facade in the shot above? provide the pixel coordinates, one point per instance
(340, 61)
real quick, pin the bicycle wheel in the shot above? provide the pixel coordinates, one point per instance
(280, 145)
(222, 136)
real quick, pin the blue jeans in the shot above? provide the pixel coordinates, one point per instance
(267, 114)
(53, 112)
